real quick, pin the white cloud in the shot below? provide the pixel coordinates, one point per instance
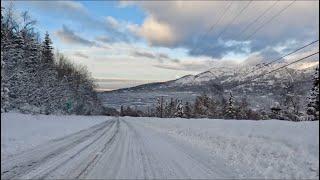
(112, 22)
(157, 33)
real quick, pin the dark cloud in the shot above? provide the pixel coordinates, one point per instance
(175, 60)
(197, 67)
(68, 36)
(79, 54)
(164, 56)
(103, 39)
(143, 54)
(161, 57)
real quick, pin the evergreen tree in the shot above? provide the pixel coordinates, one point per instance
(4, 89)
(313, 99)
(159, 107)
(31, 74)
(212, 108)
(50, 97)
(4, 85)
(35, 81)
(14, 56)
(122, 110)
(202, 106)
(47, 50)
(197, 109)
(231, 110)
(179, 110)
(187, 110)
(170, 108)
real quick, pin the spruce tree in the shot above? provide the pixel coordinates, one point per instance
(313, 99)
(14, 70)
(197, 109)
(231, 110)
(50, 101)
(31, 74)
(187, 110)
(121, 110)
(4, 88)
(4, 85)
(179, 110)
(159, 107)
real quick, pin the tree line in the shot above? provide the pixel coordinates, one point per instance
(228, 107)
(203, 107)
(35, 79)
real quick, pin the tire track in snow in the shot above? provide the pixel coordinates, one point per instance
(25, 162)
(97, 157)
(177, 167)
(107, 128)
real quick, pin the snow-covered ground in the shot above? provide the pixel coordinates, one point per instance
(128, 147)
(255, 149)
(20, 131)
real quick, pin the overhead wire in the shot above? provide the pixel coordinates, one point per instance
(214, 25)
(269, 20)
(292, 52)
(258, 18)
(234, 18)
(263, 74)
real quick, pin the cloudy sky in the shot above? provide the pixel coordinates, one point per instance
(127, 43)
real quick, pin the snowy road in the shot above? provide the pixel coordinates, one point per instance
(116, 148)
(100, 147)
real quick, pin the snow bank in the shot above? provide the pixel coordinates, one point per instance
(253, 149)
(21, 131)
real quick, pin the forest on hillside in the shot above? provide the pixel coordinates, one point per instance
(34, 79)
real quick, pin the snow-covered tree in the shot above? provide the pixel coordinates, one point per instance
(179, 110)
(201, 106)
(14, 69)
(4, 85)
(50, 96)
(231, 111)
(4, 89)
(313, 99)
(170, 108)
(35, 80)
(213, 108)
(159, 107)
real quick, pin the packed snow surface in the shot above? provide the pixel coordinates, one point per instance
(136, 148)
(20, 131)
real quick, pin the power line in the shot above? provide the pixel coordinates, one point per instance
(296, 61)
(234, 18)
(292, 52)
(268, 21)
(214, 25)
(258, 18)
(291, 63)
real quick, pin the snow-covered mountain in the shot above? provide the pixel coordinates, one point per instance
(219, 81)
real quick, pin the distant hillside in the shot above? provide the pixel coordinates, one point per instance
(217, 82)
